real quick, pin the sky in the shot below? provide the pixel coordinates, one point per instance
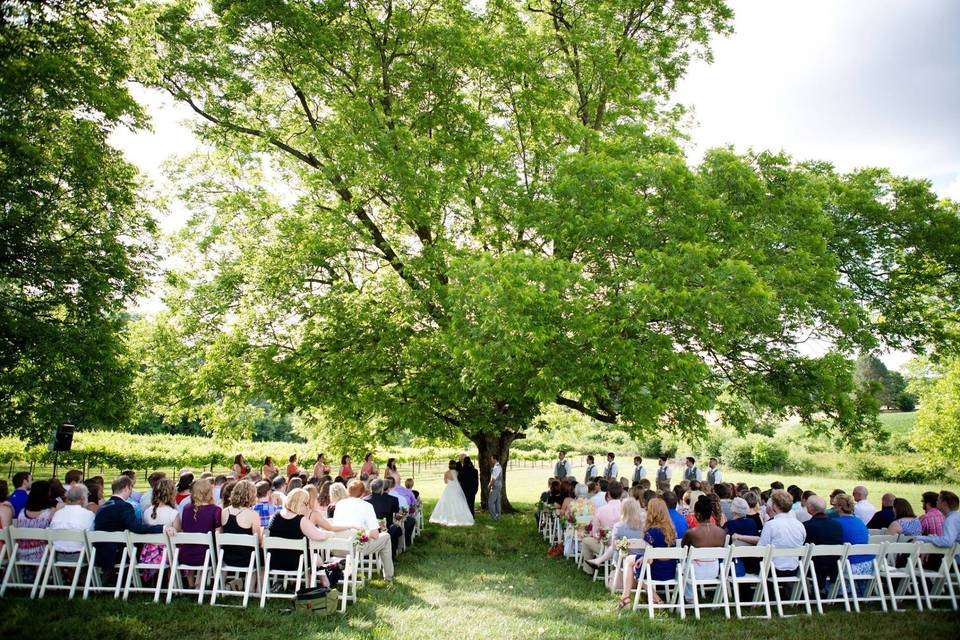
(854, 82)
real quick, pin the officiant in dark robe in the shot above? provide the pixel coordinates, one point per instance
(469, 479)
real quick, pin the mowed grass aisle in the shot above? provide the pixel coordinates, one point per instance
(493, 581)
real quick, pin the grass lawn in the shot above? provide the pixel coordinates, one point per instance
(491, 581)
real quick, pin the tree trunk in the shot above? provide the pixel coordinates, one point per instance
(489, 444)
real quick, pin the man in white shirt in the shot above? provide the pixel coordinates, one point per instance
(495, 487)
(562, 468)
(591, 470)
(356, 512)
(714, 475)
(639, 473)
(863, 509)
(73, 515)
(691, 473)
(599, 497)
(782, 530)
(611, 472)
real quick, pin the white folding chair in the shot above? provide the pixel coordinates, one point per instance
(873, 591)
(721, 555)
(882, 538)
(135, 581)
(340, 548)
(95, 579)
(619, 559)
(672, 600)
(55, 566)
(835, 554)
(934, 581)
(204, 570)
(905, 554)
(250, 571)
(761, 594)
(799, 596)
(15, 575)
(5, 545)
(581, 521)
(271, 545)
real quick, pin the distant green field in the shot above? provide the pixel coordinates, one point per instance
(898, 422)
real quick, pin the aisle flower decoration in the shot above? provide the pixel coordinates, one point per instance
(362, 537)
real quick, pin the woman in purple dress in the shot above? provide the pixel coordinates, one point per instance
(201, 516)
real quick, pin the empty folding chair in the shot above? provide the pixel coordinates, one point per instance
(897, 568)
(761, 594)
(673, 586)
(184, 547)
(341, 548)
(25, 570)
(274, 549)
(60, 561)
(138, 568)
(826, 588)
(935, 581)
(799, 596)
(696, 586)
(873, 589)
(250, 571)
(95, 580)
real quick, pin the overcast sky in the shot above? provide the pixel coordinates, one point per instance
(855, 82)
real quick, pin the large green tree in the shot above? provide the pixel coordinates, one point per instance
(73, 235)
(422, 216)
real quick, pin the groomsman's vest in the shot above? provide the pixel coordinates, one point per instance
(690, 474)
(712, 476)
(662, 474)
(638, 473)
(591, 472)
(608, 472)
(560, 469)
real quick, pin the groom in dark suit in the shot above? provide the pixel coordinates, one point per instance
(469, 479)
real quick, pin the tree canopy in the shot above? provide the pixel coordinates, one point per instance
(423, 216)
(74, 238)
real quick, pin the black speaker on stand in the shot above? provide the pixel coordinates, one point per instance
(62, 441)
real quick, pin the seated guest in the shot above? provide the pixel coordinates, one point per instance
(832, 510)
(357, 513)
(408, 485)
(580, 507)
(797, 494)
(183, 487)
(134, 495)
(741, 523)
(752, 498)
(782, 530)
(94, 494)
(605, 517)
(57, 492)
(803, 515)
(854, 532)
(265, 506)
(6, 509)
(555, 496)
(317, 514)
(948, 505)
(337, 493)
(566, 488)
(292, 523)
(705, 534)
(75, 516)
(386, 507)
(599, 497)
(931, 522)
(679, 522)
(407, 503)
(117, 514)
(22, 482)
(821, 529)
(629, 527)
(36, 514)
(658, 533)
(72, 477)
(240, 518)
(146, 498)
(203, 516)
(217, 488)
(905, 521)
(862, 508)
(882, 518)
(722, 492)
(164, 512)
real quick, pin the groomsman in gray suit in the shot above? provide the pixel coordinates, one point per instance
(639, 473)
(610, 471)
(591, 470)
(495, 486)
(562, 468)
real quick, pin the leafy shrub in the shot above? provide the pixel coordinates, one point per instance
(755, 453)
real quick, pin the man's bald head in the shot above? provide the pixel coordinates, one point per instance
(887, 500)
(815, 505)
(859, 493)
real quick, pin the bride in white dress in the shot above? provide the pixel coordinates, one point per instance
(452, 509)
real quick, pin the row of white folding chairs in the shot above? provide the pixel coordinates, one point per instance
(47, 570)
(898, 572)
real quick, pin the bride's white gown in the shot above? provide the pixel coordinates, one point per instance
(452, 509)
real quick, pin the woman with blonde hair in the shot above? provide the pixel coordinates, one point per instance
(630, 527)
(240, 518)
(315, 512)
(338, 492)
(292, 522)
(658, 533)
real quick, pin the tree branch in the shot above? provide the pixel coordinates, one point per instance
(576, 405)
